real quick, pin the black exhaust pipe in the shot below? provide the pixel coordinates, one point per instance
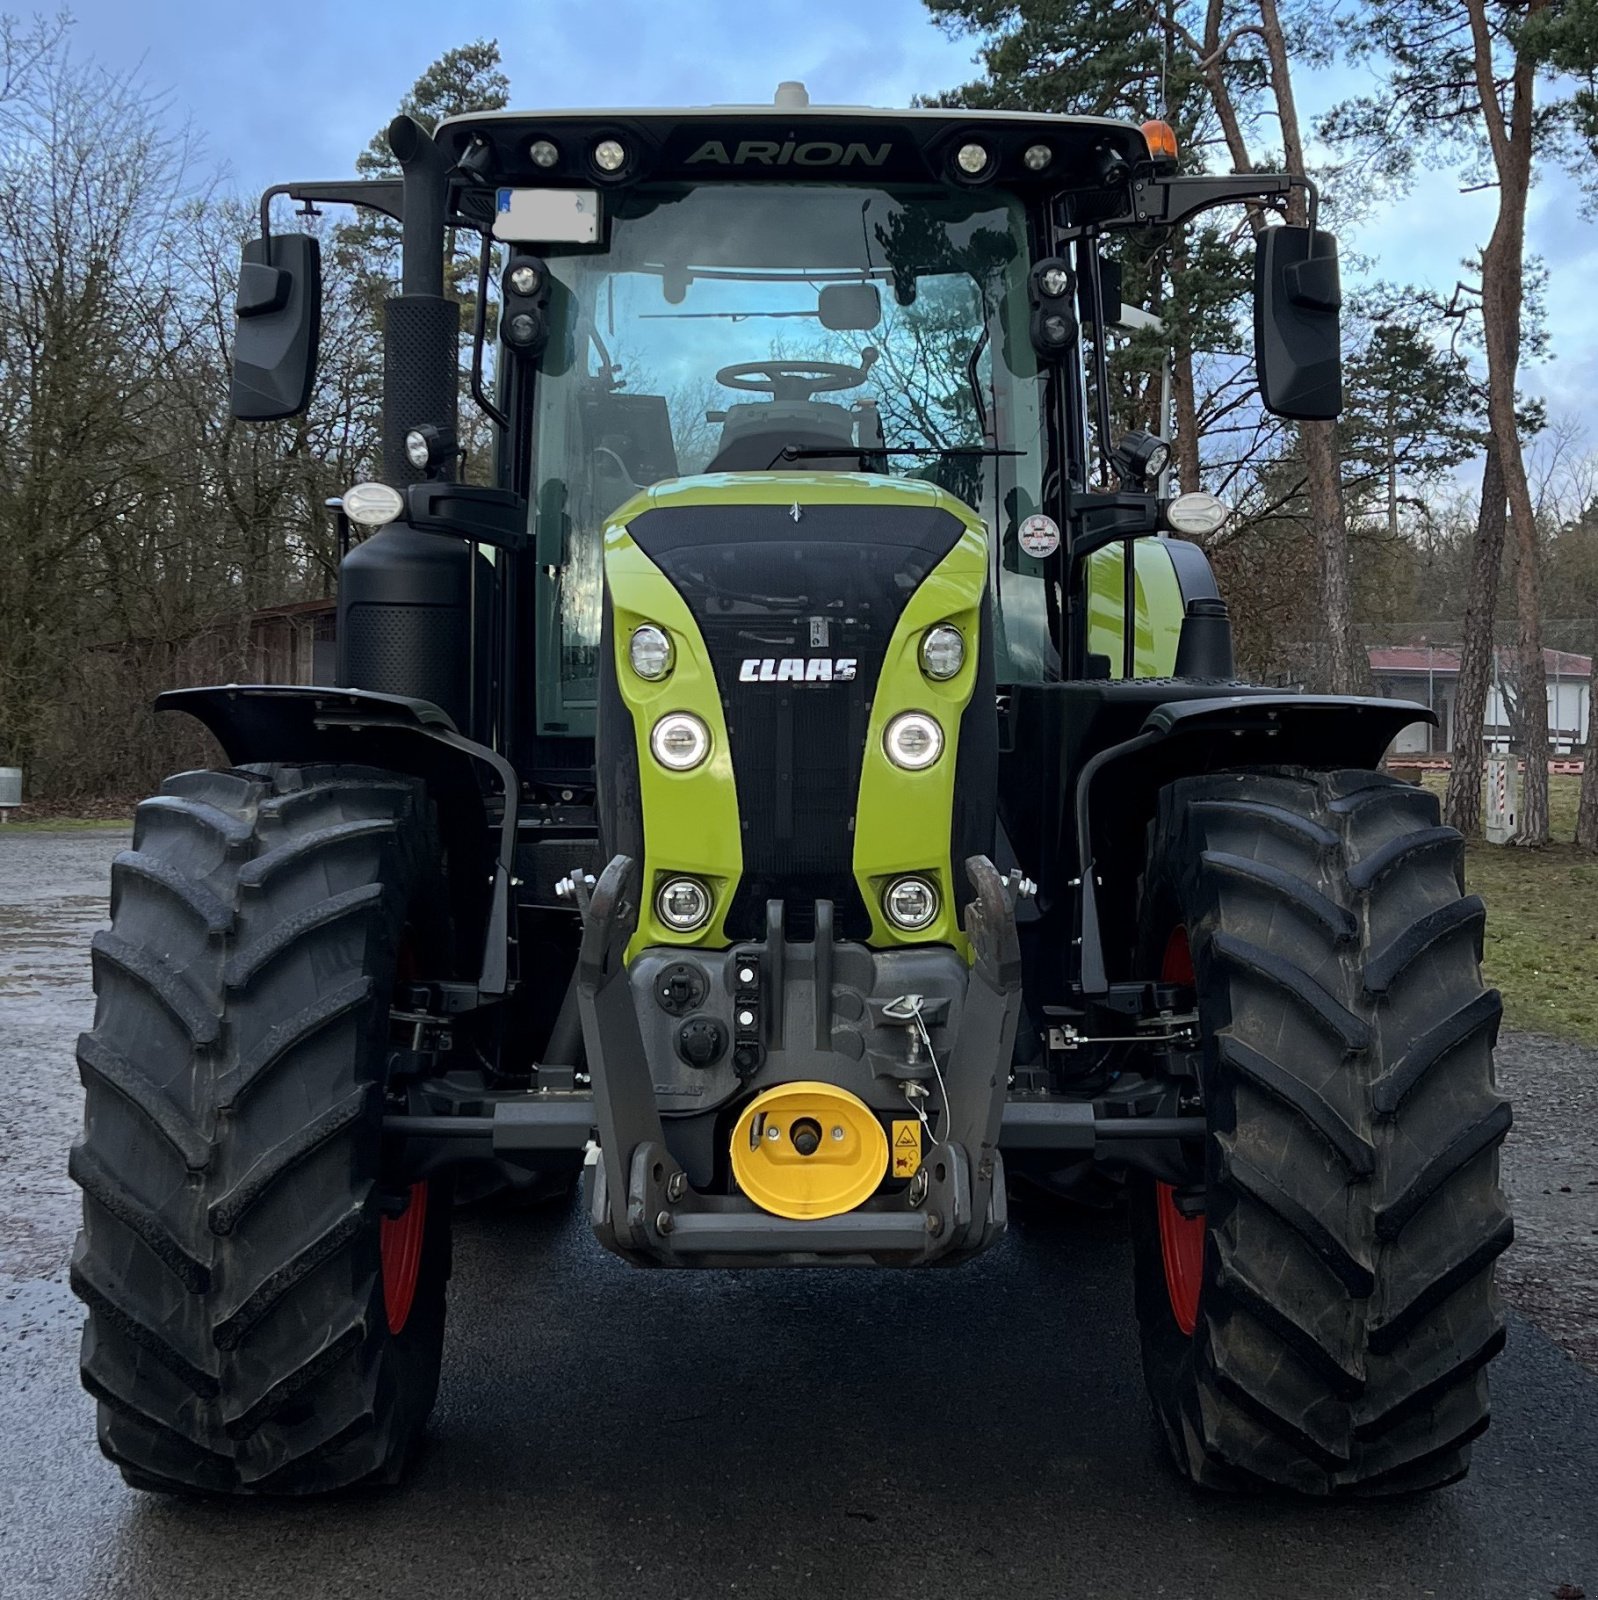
(405, 597)
(421, 329)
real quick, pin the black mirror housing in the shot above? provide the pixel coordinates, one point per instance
(1297, 328)
(849, 307)
(277, 327)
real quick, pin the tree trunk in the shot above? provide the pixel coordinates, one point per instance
(1503, 291)
(1462, 806)
(1345, 671)
(1587, 806)
(1531, 678)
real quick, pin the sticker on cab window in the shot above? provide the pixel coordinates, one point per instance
(1040, 536)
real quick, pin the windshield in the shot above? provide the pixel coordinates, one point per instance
(801, 328)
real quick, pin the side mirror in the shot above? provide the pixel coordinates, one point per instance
(1297, 335)
(277, 323)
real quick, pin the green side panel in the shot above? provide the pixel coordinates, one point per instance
(903, 819)
(690, 818)
(1159, 608)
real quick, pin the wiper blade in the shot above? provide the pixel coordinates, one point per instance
(790, 452)
(719, 316)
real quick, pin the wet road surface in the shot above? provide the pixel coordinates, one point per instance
(604, 1431)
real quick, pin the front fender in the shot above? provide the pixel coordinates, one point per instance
(269, 722)
(1204, 733)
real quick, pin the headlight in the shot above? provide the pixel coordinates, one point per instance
(1196, 513)
(913, 740)
(610, 155)
(523, 330)
(1141, 454)
(1037, 157)
(1055, 282)
(417, 450)
(544, 153)
(972, 159)
(942, 651)
(372, 504)
(524, 278)
(650, 652)
(683, 904)
(680, 741)
(910, 903)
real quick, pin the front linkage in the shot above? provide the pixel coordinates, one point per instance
(641, 1202)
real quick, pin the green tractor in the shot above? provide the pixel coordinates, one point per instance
(802, 790)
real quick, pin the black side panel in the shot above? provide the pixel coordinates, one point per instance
(826, 586)
(618, 797)
(976, 777)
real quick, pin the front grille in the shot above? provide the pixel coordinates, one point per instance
(797, 750)
(763, 586)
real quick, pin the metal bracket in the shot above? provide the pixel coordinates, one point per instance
(1167, 202)
(669, 1223)
(386, 195)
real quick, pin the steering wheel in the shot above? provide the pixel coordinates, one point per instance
(794, 380)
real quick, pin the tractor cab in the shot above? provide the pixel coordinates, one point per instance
(801, 323)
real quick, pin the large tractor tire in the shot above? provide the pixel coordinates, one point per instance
(1318, 1312)
(265, 1312)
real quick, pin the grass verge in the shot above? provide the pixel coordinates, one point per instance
(1541, 948)
(64, 825)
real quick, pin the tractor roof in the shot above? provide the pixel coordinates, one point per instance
(793, 139)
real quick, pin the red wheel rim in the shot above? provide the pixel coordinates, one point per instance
(1181, 1237)
(401, 1240)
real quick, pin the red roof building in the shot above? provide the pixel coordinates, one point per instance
(1429, 674)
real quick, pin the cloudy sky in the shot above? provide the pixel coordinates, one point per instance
(295, 89)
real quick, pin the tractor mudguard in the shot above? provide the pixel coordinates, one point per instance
(266, 722)
(1206, 733)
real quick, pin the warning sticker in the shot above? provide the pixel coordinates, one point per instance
(1039, 536)
(906, 1149)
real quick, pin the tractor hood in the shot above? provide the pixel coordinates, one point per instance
(796, 607)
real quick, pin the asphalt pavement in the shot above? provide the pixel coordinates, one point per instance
(603, 1431)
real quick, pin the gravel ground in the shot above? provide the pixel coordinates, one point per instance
(602, 1431)
(1551, 1174)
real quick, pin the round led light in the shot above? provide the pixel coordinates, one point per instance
(650, 651)
(372, 505)
(913, 740)
(1037, 157)
(417, 451)
(1055, 281)
(524, 279)
(910, 903)
(683, 904)
(544, 153)
(610, 155)
(942, 651)
(680, 741)
(972, 159)
(1196, 513)
(522, 328)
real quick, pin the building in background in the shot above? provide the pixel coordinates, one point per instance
(1429, 674)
